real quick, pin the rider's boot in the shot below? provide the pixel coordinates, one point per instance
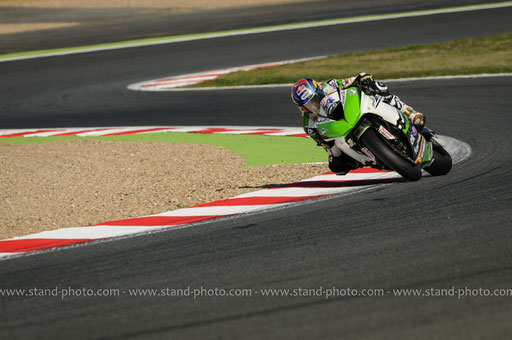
(415, 117)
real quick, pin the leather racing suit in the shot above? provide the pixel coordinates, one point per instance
(339, 162)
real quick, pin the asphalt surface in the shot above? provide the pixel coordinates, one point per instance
(90, 89)
(116, 24)
(438, 233)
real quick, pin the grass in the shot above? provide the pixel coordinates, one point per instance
(257, 150)
(492, 54)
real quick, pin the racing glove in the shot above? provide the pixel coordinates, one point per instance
(371, 87)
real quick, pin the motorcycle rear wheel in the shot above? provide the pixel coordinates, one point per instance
(388, 156)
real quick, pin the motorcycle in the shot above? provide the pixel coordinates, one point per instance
(375, 133)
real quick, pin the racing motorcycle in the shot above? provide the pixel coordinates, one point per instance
(375, 133)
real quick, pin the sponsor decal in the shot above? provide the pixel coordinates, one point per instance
(348, 81)
(412, 138)
(352, 92)
(333, 83)
(342, 97)
(419, 147)
(368, 154)
(421, 152)
(302, 92)
(385, 133)
(310, 131)
(328, 104)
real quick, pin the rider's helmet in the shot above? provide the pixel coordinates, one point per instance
(307, 95)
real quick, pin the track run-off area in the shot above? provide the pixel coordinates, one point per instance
(258, 201)
(447, 232)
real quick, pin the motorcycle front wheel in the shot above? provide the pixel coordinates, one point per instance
(442, 163)
(372, 140)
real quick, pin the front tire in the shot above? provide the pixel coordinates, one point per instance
(442, 163)
(389, 157)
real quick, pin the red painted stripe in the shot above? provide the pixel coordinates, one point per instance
(256, 131)
(263, 132)
(367, 171)
(19, 134)
(159, 82)
(77, 132)
(160, 220)
(337, 184)
(364, 170)
(212, 130)
(266, 66)
(24, 245)
(132, 132)
(256, 201)
(205, 75)
(180, 82)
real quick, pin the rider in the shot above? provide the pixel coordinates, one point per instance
(307, 94)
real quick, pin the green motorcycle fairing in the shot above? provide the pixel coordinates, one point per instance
(352, 113)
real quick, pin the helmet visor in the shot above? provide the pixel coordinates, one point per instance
(313, 105)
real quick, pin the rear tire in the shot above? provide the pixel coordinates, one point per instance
(442, 163)
(387, 155)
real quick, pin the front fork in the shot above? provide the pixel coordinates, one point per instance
(421, 147)
(420, 143)
(346, 145)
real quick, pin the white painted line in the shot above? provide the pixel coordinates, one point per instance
(352, 177)
(107, 131)
(170, 82)
(296, 192)
(194, 128)
(170, 129)
(45, 134)
(93, 232)
(9, 132)
(458, 149)
(287, 133)
(218, 210)
(239, 132)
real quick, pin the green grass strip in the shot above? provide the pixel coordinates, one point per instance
(257, 150)
(491, 54)
(207, 35)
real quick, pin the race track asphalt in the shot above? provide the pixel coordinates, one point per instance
(94, 26)
(444, 232)
(90, 89)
